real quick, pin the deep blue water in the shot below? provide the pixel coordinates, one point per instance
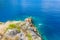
(45, 12)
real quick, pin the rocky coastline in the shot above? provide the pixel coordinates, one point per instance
(19, 30)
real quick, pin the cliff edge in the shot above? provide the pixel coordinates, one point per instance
(19, 30)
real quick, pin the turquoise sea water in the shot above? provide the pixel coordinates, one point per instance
(44, 12)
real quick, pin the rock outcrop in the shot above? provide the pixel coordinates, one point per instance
(19, 30)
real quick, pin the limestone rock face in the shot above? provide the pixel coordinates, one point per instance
(11, 33)
(19, 30)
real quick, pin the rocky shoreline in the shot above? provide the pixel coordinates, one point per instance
(19, 30)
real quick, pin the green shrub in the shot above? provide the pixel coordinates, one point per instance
(12, 26)
(29, 36)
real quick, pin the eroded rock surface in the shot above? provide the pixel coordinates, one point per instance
(19, 30)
